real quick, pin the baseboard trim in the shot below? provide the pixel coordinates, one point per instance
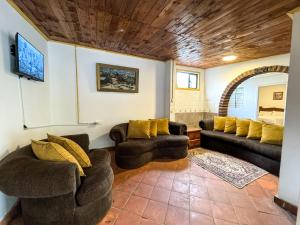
(286, 205)
(13, 213)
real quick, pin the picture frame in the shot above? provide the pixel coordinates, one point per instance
(112, 78)
(278, 95)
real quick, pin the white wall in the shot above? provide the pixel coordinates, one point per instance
(266, 98)
(289, 181)
(251, 87)
(36, 95)
(189, 100)
(53, 104)
(217, 79)
(107, 108)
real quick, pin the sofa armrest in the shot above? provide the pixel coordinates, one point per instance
(177, 128)
(118, 133)
(27, 177)
(206, 124)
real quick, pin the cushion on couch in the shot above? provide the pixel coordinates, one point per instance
(153, 128)
(219, 123)
(162, 126)
(255, 130)
(138, 129)
(242, 127)
(230, 125)
(50, 151)
(272, 134)
(73, 148)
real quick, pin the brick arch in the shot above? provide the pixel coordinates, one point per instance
(223, 105)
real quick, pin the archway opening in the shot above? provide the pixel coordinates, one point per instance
(224, 102)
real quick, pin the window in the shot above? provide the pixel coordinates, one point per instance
(187, 80)
(237, 98)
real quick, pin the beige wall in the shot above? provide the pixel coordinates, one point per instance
(217, 78)
(265, 98)
(289, 179)
(189, 100)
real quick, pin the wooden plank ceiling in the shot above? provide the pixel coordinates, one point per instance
(193, 32)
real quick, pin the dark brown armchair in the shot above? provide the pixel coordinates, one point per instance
(53, 192)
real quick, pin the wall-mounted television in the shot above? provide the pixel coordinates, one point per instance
(29, 60)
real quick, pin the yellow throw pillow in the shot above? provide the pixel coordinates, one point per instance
(230, 125)
(73, 148)
(242, 127)
(219, 123)
(162, 126)
(272, 134)
(255, 130)
(53, 152)
(153, 128)
(139, 129)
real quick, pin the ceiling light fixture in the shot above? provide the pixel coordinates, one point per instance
(229, 58)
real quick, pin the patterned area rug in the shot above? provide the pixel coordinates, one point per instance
(237, 172)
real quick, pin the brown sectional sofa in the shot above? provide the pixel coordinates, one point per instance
(266, 156)
(133, 153)
(53, 192)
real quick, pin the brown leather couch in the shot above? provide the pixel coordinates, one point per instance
(266, 156)
(53, 192)
(133, 153)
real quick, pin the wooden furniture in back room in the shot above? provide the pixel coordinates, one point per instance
(194, 136)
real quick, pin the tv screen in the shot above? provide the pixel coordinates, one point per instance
(29, 61)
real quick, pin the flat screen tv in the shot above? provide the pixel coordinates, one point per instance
(29, 61)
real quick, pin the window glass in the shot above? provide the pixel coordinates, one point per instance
(193, 81)
(237, 98)
(187, 80)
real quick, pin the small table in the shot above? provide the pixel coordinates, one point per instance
(194, 136)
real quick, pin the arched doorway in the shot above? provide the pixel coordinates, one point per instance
(223, 105)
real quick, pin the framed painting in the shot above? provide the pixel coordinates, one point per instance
(278, 95)
(111, 78)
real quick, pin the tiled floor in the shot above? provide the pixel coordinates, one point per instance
(181, 193)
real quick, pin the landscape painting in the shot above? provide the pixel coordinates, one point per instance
(278, 95)
(117, 78)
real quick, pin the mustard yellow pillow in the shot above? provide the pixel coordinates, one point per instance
(242, 127)
(153, 128)
(162, 126)
(255, 130)
(272, 134)
(219, 123)
(53, 152)
(230, 125)
(139, 129)
(73, 148)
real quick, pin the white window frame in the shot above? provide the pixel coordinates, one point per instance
(191, 72)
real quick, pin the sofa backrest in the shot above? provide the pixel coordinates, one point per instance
(206, 124)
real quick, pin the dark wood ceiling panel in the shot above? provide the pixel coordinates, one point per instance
(192, 32)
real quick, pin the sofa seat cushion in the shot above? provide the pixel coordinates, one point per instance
(98, 180)
(223, 136)
(136, 146)
(171, 140)
(268, 150)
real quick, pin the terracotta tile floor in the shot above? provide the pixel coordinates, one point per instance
(181, 193)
